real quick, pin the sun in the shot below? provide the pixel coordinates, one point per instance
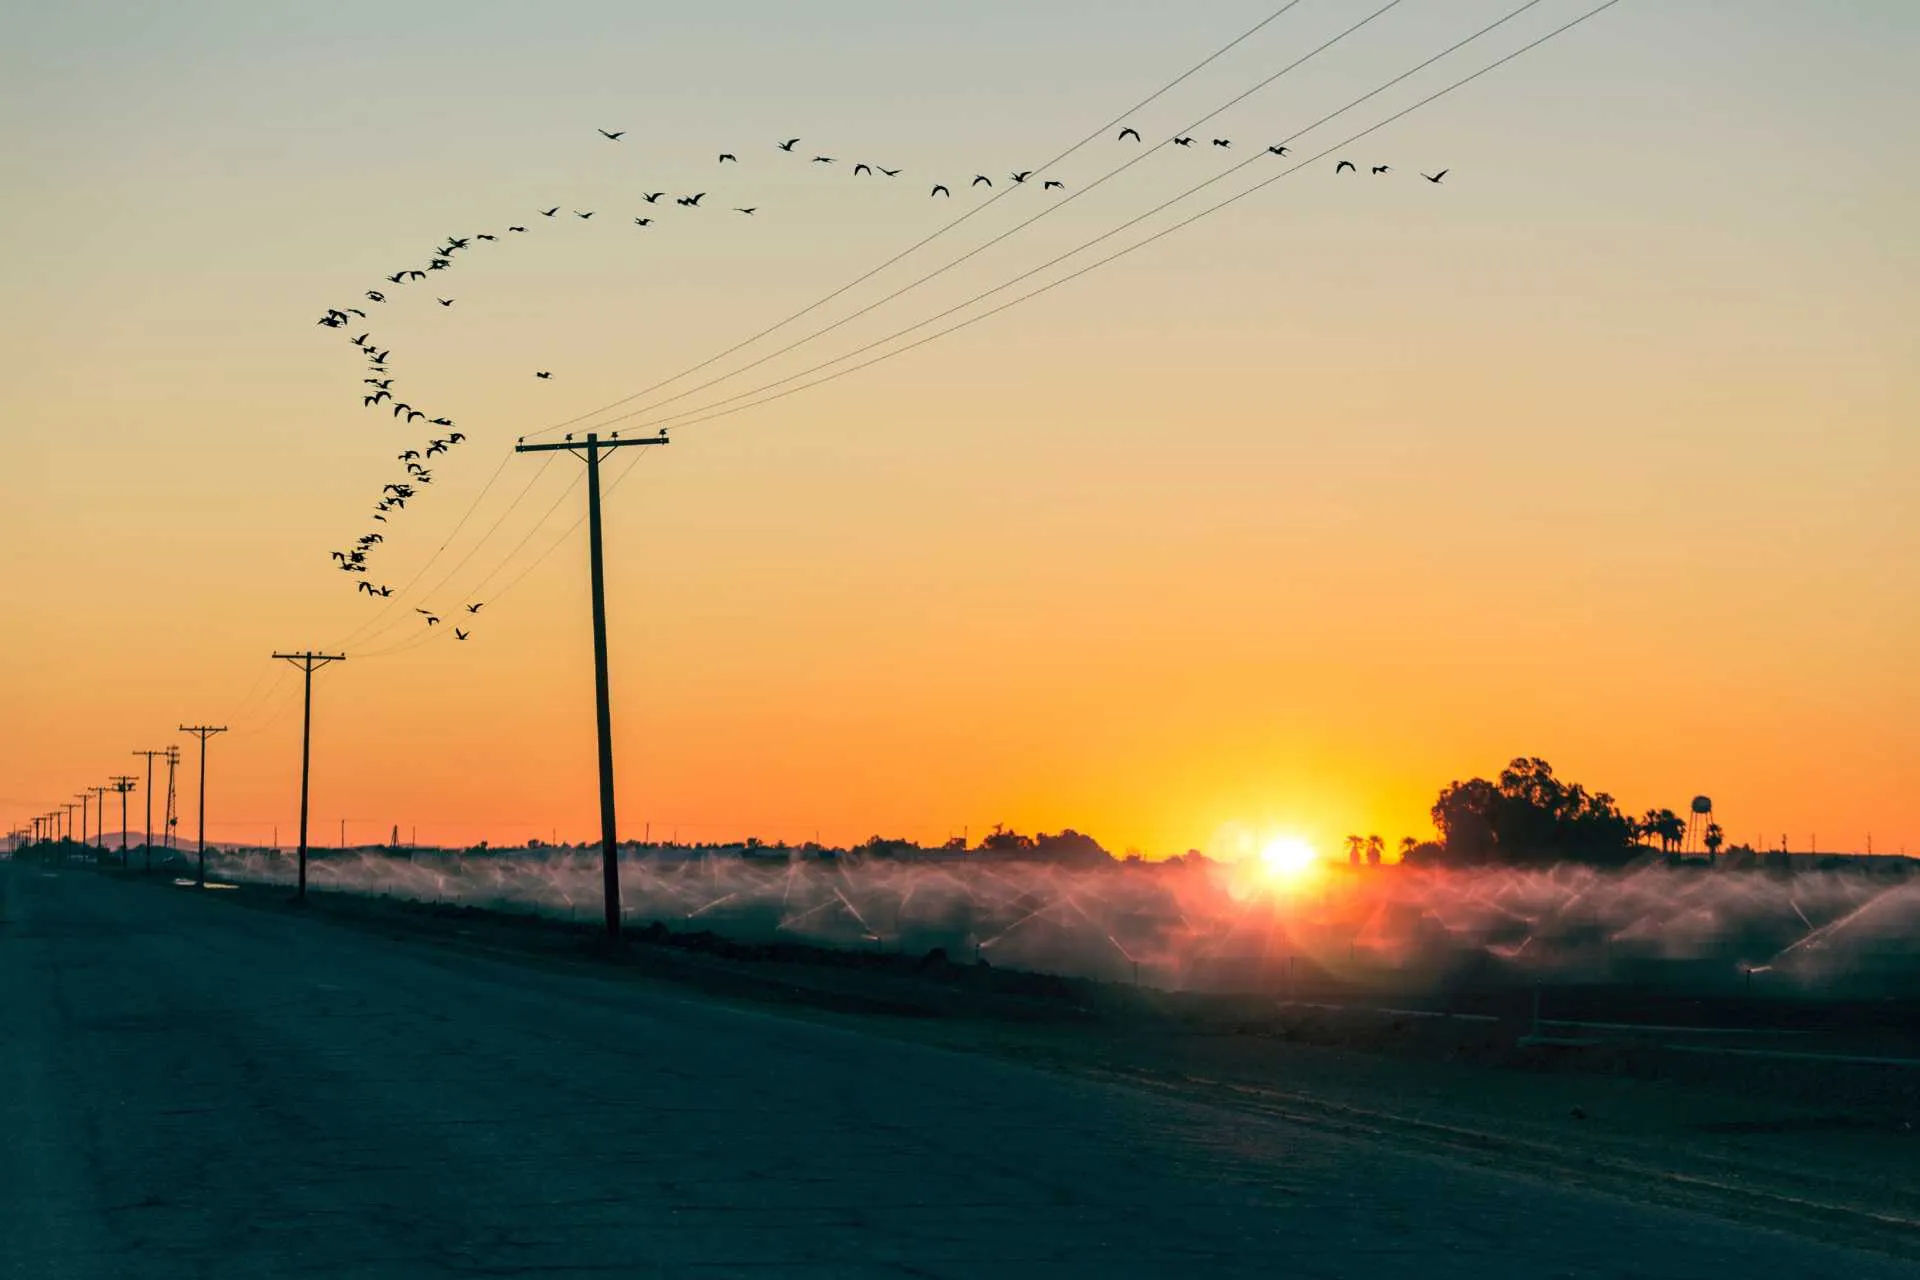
(1287, 857)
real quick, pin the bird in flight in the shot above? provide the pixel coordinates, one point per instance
(1183, 142)
(613, 137)
(693, 201)
(643, 222)
(891, 173)
(364, 585)
(823, 159)
(442, 422)
(588, 214)
(940, 190)
(378, 396)
(1023, 175)
(433, 447)
(455, 437)
(516, 228)
(548, 213)
(397, 277)
(484, 236)
(728, 155)
(455, 242)
(475, 608)
(543, 374)
(445, 302)
(652, 196)
(384, 592)
(1053, 184)
(979, 178)
(1128, 132)
(863, 168)
(1222, 142)
(1381, 168)
(374, 296)
(458, 634)
(439, 264)
(411, 455)
(788, 145)
(1277, 149)
(1344, 164)
(740, 210)
(1435, 177)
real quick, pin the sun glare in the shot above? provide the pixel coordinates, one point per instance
(1287, 857)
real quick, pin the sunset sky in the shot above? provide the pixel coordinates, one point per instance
(1606, 449)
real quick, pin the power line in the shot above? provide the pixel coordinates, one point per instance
(1018, 227)
(929, 239)
(713, 410)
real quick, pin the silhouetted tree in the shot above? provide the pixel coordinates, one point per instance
(1356, 845)
(1376, 848)
(1530, 817)
(1664, 825)
(1407, 845)
(1714, 838)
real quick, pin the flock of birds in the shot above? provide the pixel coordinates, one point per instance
(379, 393)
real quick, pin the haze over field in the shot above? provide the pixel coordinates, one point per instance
(1600, 448)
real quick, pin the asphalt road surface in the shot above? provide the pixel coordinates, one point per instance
(188, 1088)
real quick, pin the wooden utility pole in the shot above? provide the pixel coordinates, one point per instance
(85, 798)
(591, 449)
(172, 818)
(100, 818)
(203, 732)
(123, 784)
(147, 830)
(308, 662)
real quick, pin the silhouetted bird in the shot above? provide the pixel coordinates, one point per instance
(652, 196)
(516, 228)
(397, 277)
(979, 178)
(1435, 177)
(438, 264)
(823, 159)
(1222, 142)
(1183, 142)
(484, 236)
(455, 438)
(543, 374)
(548, 213)
(375, 398)
(458, 634)
(372, 296)
(421, 275)
(445, 302)
(643, 222)
(891, 173)
(1128, 132)
(739, 210)
(1023, 175)
(364, 585)
(411, 455)
(788, 145)
(728, 155)
(588, 214)
(436, 446)
(1052, 184)
(1380, 168)
(384, 591)
(613, 137)
(1344, 164)
(455, 242)
(441, 422)
(1277, 149)
(940, 190)
(475, 608)
(693, 201)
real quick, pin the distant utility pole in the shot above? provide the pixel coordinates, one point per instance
(123, 784)
(591, 450)
(308, 662)
(203, 732)
(100, 818)
(85, 798)
(67, 834)
(172, 818)
(147, 842)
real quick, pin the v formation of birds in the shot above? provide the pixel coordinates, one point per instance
(379, 382)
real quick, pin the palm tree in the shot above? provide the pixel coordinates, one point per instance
(1407, 845)
(1664, 825)
(1376, 847)
(1714, 838)
(1356, 845)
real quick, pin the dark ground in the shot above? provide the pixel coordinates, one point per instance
(212, 1083)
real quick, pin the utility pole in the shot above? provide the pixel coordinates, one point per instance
(147, 830)
(172, 818)
(203, 732)
(308, 662)
(99, 819)
(85, 798)
(123, 784)
(591, 450)
(67, 834)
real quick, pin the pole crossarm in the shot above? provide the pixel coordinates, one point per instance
(308, 661)
(575, 446)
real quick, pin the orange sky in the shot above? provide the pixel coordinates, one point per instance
(1602, 451)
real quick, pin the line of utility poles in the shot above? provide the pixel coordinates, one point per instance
(591, 449)
(308, 662)
(147, 829)
(203, 732)
(123, 784)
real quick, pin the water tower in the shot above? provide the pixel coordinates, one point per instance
(1699, 818)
